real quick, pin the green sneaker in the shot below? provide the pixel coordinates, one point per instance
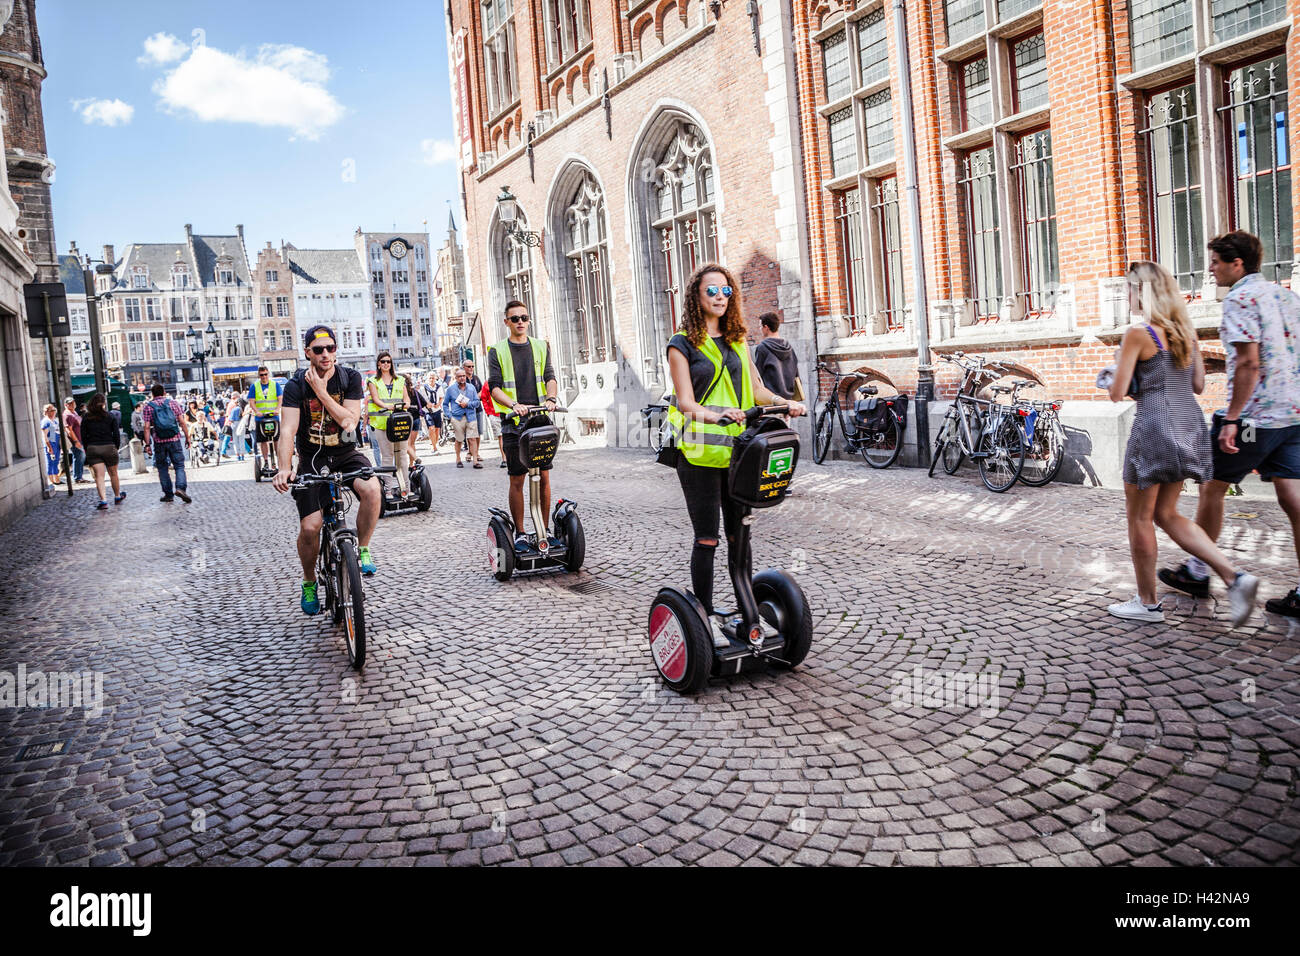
(366, 561)
(310, 603)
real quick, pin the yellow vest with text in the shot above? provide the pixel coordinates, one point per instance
(388, 393)
(266, 400)
(507, 363)
(709, 446)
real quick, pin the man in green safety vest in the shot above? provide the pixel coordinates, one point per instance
(264, 396)
(520, 373)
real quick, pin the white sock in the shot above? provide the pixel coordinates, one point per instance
(1198, 568)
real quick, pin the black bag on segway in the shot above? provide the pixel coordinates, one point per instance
(398, 429)
(538, 444)
(763, 459)
(268, 429)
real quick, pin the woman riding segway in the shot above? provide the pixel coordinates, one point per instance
(716, 389)
(388, 389)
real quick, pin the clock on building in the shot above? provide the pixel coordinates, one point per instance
(397, 249)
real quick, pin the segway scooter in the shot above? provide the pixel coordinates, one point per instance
(772, 621)
(265, 430)
(400, 423)
(537, 446)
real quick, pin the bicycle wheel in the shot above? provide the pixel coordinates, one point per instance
(1044, 454)
(352, 597)
(822, 433)
(951, 451)
(656, 429)
(880, 449)
(1000, 468)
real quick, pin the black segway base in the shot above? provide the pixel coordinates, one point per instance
(534, 559)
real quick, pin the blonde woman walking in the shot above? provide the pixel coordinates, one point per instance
(1169, 441)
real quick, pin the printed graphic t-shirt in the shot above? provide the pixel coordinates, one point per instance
(1257, 310)
(318, 434)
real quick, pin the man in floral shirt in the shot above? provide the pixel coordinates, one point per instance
(1260, 430)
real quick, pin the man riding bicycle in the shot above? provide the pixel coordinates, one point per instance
(519, 372)
(320, 405)
(264, 396)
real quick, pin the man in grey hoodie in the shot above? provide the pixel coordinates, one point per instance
(774, 358)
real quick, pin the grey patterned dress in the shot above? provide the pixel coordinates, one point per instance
(1169, 441)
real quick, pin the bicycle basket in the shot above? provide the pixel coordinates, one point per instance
(763, 460)
(399, 425)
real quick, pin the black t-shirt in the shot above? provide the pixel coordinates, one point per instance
(318, 434)
(526, 385)
(702, 368)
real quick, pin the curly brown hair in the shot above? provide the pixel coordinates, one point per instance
(731, 326)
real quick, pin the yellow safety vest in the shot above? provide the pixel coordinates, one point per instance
(265, 400)
(386, 392)
(710, 445)
(502, 350)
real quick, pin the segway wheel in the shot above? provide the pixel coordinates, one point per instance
(782, 604)
(426, 493)
(680, 642)
(501, 551)
(577, 542)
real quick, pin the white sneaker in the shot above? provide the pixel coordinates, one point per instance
(1135, 610)
(1241, 597)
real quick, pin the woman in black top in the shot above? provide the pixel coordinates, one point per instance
(102, 438)
(711, 308)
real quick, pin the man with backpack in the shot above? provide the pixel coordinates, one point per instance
(162, 429)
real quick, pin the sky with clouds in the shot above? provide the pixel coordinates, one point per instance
(301, 119)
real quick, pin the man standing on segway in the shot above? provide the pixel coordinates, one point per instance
(264, 396)
(320, 404)
(519, 373)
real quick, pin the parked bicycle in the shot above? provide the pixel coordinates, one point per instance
(874, 431)
(984, 430)
(655, 419)
(337, 567)
(1044, 436)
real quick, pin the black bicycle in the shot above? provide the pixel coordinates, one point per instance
(875, 431)
(654, 418)
(337, 569)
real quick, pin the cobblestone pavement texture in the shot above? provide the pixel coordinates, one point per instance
(522, 723)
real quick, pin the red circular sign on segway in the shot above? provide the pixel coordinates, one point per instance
(493, 550)
(668, 643)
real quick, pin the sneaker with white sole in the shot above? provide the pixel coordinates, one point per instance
(1135, 610)
(1241, 597)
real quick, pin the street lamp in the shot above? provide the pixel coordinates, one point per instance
(508, 212)
(202, 354)
(92, 315)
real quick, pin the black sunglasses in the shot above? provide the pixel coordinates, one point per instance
(322, 349)
(517, 318)
(714, 290)
(385, 361)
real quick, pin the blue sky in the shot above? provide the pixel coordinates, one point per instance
(301, 120)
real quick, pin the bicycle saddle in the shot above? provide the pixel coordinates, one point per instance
(868, 390)
(1000, 389)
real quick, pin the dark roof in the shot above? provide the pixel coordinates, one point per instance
(70, 274)
(326, 266)
(206, 251)
(158, 258)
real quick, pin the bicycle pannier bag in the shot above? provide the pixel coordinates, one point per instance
(763, 459)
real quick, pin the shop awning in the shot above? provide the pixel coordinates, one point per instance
(235, 370)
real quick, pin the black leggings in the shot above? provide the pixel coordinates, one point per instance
(707, 496)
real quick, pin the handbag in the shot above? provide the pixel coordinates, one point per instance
(669, 454)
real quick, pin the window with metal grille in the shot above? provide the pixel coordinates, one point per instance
(873, 49)
(1033, 172)
(1013, 8)
(1159, 30)
(590, 329)
(1030, 73)
(964, 19)
(890, 249)
(848, 223)
(878, 124)
(835, 67)
(979, 190)
(844, 157)
(1233, 18)
(1174, 181)
(1260, 160)
(977, 94)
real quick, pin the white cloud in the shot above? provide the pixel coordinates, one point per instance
(281, 86)
(435, 151)
(104, 112)
(162, 48)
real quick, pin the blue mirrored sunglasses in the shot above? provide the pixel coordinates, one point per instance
(714, 290)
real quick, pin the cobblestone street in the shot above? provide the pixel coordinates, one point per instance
(524, 722)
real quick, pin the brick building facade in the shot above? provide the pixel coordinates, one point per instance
(277, 336)
(1054, 143)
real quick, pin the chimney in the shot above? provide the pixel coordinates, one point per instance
(109, 257)
(189, 232)
(239, 231)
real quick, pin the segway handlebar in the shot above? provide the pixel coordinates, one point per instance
(529, 409)
(781, 409)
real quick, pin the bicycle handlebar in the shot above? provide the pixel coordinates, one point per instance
(308, 479)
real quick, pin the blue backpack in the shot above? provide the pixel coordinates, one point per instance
(164, 420)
